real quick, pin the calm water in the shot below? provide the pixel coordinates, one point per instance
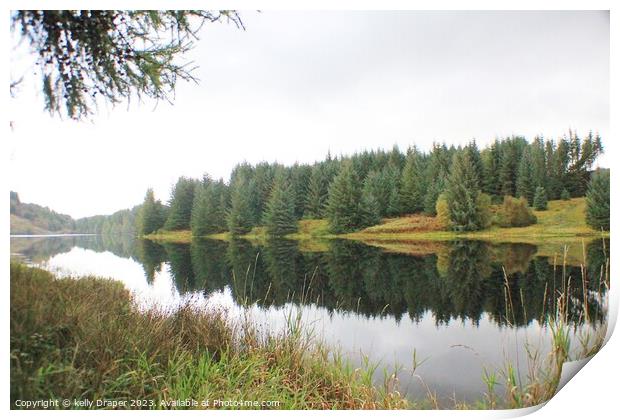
(450, 302)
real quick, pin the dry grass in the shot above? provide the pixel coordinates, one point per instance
(175, 236)
(83, 338)
(407, 224)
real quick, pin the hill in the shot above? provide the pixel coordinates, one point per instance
(29, 219)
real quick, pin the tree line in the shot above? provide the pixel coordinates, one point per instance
(359, 190)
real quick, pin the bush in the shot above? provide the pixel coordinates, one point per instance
(565, 195)
(443, 212)
(514, 213)
(540, 199)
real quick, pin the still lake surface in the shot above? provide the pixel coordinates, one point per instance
(462, 306)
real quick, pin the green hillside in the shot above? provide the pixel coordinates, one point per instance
(29, 219)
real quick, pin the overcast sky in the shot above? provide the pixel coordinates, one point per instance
(295, 85)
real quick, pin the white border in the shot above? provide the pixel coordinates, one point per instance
(591, 394)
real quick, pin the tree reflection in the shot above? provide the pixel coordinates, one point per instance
(467, 281)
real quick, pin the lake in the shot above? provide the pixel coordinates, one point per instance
(452, 309)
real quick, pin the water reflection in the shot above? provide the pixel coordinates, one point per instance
(463, 306)
(464, 280)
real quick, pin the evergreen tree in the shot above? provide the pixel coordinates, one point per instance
(491, 163)
(597, 200)
(151, 214)
(376, 186)
(391, 176)
(508, 168)
(257, 187)
(540, 199)
(369, 208)
(465, 205)
(539, 166)
(525, 187)
(473, 155)
(343, 201)
(436, 175)
(565, 195)
(199, 218)
(559, 167)
(317, 193)
(299, 179)
(412, 183)
(219, 204)
(552, 185)
(209, 209)
(279, 215)
(263, 176)
(87, 56)
(240, 217)
(181, 202)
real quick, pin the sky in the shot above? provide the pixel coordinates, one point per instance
(295, 85)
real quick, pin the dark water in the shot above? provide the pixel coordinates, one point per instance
(462, 306)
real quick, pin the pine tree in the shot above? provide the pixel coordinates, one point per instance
(181, 202)
(436, 175)
(317, 193)
(369, 208)
(151, 214)
(279, 215)
(219, 204)
(565, 195)
(508, 168)
(491, 163)
(199, 218)
(90, 56)
(539, 167)
(597, 200)
(473, 155)
(240, 217)
(559, 168)
(412, 183)
(540, 199)
(391, 176)
(209, 209)
(466, 212)
(376, 185)
(525, 187)
(299, 179)
(343, 201)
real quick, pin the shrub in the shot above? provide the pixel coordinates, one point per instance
(540, 199)
(565, 195)
(443, 212)
(514, 213)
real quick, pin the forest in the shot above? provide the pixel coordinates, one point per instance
(458, 184)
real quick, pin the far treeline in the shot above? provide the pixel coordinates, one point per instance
(459, 183)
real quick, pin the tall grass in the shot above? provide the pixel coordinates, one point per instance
(544, 371)
(84, 339)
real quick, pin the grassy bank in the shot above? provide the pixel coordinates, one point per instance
(85, 340)
(563, 219)
(82, 338)
(563, 222)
